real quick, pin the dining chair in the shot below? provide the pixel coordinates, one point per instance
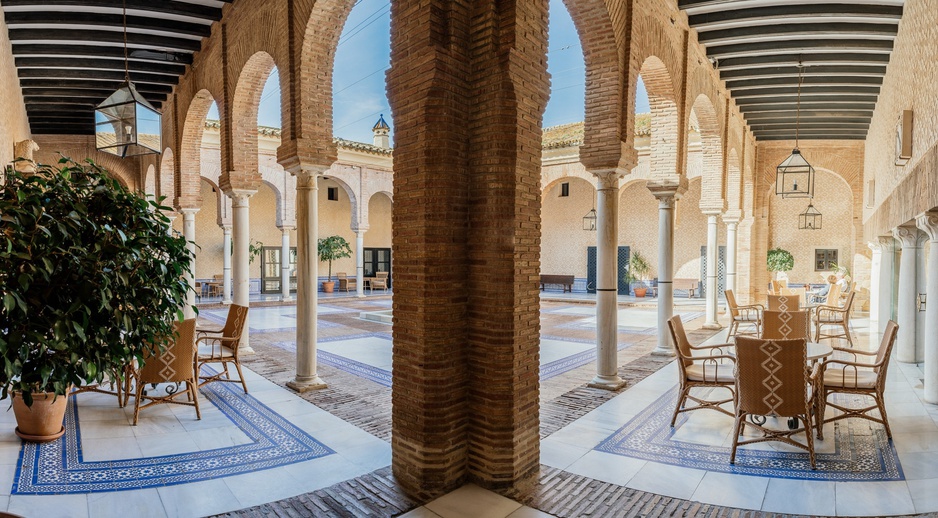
(380, 281)
(783, 303)
(222, 346)
(346, 282)
(785, 325)
(773, 379)
(174, 364)
(704, 371)
(839, 376)
(834, 316)
(801, 293)
(748, 314)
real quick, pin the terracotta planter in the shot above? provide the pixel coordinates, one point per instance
(328, 286)
(42, 422)
(640, 292)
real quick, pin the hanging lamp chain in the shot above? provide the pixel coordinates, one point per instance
(798, 110)
(126, 60)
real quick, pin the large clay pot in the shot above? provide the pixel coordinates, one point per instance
(640, 292)
(42, 422)
(328, 286)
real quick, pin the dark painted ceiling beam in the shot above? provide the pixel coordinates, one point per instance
(806, 82)
(73, 95)
(95, 51)
(808, 71)
(96, 75)
(808, 59)
(759, 118)
(810, 125)
(806, 90)
(781, 12)
(792, 99)
(799, 45)
(829, 136)
(201, 12)
(99, 64)
(79, 36)
(760, 32)
(70, 20)
(747, 110)
(79, 84)
(806, 123)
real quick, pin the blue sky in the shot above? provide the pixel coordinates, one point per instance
(364, 54)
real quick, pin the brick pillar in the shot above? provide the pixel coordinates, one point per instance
(466, 242)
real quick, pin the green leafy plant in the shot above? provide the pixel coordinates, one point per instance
(779, 260)
(90, 278)
(638, 268)
(842, 270)
(332, 248)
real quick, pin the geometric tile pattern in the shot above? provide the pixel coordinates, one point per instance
(58, 467)
(862, 452)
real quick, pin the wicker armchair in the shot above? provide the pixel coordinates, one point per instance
(783, 303)
(345, 282)
(173, 365)
(221, 346)
(834, 316)
(785, 325)
(846, 377)
(773, 379)
(380, 281)
(751, 314)
(700, 371)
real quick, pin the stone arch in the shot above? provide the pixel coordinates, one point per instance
(278, 196)
(188, 189)
(222, 202)
(711, 148)
(336, 176)
(580, 175)
(244, 107)
(167, 183)
(149, 180)
(664, 117)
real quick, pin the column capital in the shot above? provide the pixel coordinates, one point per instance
(360, 229)
(239, 197)
(667, 186)
(188, 210)
(607, 178)
(225, 228)
(928, 223)
(909, 236)
(731, 219)
(307, 179)
(286, 228)
(711, 213)
(874, 246)
(887, 243)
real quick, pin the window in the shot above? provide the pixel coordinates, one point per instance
(564, 189)
(333, 194)
(824, 260)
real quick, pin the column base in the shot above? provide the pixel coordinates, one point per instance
(659, 351)
(712, 325)
(287, 299)
(245, 350)
(607, 382)
(227, 302)
(306, 385)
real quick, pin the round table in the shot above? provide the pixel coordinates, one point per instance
(818, 351)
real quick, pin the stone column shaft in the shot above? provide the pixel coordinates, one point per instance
(731, 227)
(665, 271)
(307, 277)
(886, 278)
(226, 255)
(240, 216)
(928, 222)
(188, 231)
(360, 263)
(285, 265)
(908, 236)
(875, 263)
(712, 273)
(607, 285)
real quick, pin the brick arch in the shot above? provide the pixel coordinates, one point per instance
(566, 176)
(605, 128)
(313, 119)
(664, 116)
(711, 147)
(243, 135)
(167, 183)
(188, 189)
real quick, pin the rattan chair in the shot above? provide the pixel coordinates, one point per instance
(172, 365)
(773, 379)
(750, 314)
(700, 371)
(786, 325)
(221, 346)
(846, 377)
(380, 281)
(783, 303)
(345, 282)
(834, 316)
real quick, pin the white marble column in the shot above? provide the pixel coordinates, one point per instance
(713, 271)
(666, 200)
(240, 212)
(188, 231)
(360, 262)
(875, 264)
(731, 226)
(607, 306)
(307, 277)
(908, 237)
(886, 277)
(285, 264)
(226, 258)
(928, 222)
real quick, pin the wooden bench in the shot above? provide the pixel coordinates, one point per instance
(565, 281)
(686, 284)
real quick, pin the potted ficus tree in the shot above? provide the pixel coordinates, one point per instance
(779, 260)
(637, 273)
(332, 248)
(90, 279)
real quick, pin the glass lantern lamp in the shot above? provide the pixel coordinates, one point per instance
(126, 124)
(810, 219)
(794, 177)
(589, 221)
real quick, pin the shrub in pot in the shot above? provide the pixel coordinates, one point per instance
(332, 248)
(638, 273)
(779, 260)
(90, 279)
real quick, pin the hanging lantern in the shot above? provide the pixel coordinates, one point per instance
(810, 219)
(589, 221)
(794, 177)
(125, 124)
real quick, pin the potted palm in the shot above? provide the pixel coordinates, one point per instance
(90, 279)
(638, 273)
(332, 248)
